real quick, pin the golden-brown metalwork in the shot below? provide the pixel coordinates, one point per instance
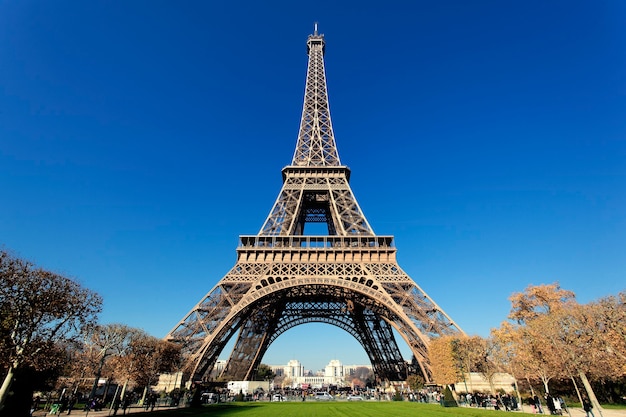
(349, 278)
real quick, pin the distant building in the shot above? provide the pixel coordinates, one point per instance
(294, 369)
(351, 369)
(279, 370)
(169, 382)
(334, 369)
(219, 366)
(476, 382)
(333, 374)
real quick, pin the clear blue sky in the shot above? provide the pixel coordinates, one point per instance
(139, 139)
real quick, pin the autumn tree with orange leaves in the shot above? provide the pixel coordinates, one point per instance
(443, 364)
(470, 355)
(550, 336)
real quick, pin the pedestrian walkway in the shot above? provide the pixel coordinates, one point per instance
(578, 412)
(104, 412)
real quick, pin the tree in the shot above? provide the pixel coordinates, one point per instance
(503, 353)
(415, 382)
(363, 373)
(469, 353)
(359, 376)
(80, 367)
(39, 310)
(126, 362)
(443, 363)
(532, 312)
(354, 382)
(588, 340)
(488, 367)
(153, 357)
(606, 332)
(286, 383)
(556, 337)
(538, 300)
(105, 341)
(264, 373)
(448, 399)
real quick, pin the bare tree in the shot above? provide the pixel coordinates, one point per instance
(363, 373)
(105, 341)
(146, 358)
(39, 310)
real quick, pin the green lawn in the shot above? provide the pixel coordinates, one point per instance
(328, 409)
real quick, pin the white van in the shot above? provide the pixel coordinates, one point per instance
(323, 396)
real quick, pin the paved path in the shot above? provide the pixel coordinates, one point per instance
(579, 412)
(104, 412)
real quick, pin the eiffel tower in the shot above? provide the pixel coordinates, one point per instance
(283, 278)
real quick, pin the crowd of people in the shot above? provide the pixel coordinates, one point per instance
(65, 404)
(504, 402)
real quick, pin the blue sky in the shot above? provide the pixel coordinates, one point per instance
(139, 139)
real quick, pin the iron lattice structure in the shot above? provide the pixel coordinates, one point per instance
(282, 278)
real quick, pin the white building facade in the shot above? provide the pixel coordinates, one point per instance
(294, 369)
(334, 374)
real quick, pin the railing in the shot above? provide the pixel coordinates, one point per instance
(315, 242)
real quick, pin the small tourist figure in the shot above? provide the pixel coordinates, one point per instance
(125, 403)
(71, 402)
(538, 405)
(587, 407)
(116, 405)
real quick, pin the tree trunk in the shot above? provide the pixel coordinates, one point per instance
(519, 397)
(112, 406)
(123, 394)
(532, 391)
(590, 393)
(493, 388)
(6, 385)
(98, 375)
(580, 398)
(545, 384)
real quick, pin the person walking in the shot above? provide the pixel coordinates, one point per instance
(70, 404)
(538, 405)
(116, 405)
(588, 407)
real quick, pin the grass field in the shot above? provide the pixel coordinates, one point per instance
(329, 409)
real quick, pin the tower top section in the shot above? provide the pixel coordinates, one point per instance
(316, 186)
(315, 39)
(316, 140)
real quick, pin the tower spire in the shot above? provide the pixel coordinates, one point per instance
(316, 186)
(316, 140)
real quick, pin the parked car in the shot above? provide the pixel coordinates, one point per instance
(355, 398)
(323, 396)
